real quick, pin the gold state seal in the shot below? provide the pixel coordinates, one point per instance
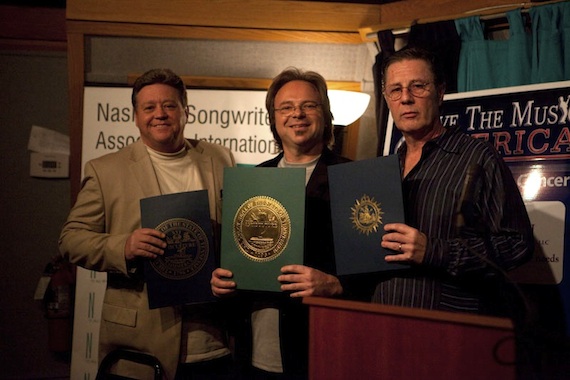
(187, 250)
(262, 228)
(366, 215)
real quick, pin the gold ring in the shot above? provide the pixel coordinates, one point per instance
(400, 248)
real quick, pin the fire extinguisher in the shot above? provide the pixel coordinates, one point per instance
(59, 301)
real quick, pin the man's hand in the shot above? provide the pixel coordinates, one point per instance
(410, 242)
(303, 281)
(220, 283)
(145, 242)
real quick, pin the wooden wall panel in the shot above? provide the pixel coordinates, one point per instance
(208, 33)
(403, 14)
(261, 14)
(32, 28)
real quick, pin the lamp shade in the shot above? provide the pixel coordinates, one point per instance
(347, 106)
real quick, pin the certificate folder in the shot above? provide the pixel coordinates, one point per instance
(262, 224)
(365, 195)
(182, 275)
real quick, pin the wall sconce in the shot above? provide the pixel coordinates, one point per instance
(347, 106)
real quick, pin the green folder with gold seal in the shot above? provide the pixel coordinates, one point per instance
(365, 195)
(263, 221)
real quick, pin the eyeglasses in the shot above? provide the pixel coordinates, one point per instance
(306, 108)
(417, 89)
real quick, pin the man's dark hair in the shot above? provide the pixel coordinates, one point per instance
(410, 53)
(317, 80)
(163, 76)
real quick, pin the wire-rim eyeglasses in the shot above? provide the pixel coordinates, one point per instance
(306, 108)
(417, 89)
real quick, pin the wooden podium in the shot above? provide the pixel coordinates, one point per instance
(357, 340)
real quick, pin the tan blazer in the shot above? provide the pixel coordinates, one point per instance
(106, 212)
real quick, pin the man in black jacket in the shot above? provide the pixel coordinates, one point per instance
(275, 340)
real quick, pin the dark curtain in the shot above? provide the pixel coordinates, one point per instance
(386, 41)
(441, 38)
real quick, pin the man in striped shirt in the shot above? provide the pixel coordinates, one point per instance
(466, 224)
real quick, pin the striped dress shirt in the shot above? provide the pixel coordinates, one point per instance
(462, 267)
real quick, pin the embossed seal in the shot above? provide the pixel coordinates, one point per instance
(262, 228)
(366, 215)
(186, 252)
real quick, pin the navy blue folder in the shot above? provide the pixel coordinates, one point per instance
(365, 195)
(182, 275)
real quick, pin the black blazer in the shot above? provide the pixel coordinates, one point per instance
(319, 249)
(318, 254)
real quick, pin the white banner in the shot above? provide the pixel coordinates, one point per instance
(235, 119)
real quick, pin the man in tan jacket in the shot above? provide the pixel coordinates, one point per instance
(103, 232)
